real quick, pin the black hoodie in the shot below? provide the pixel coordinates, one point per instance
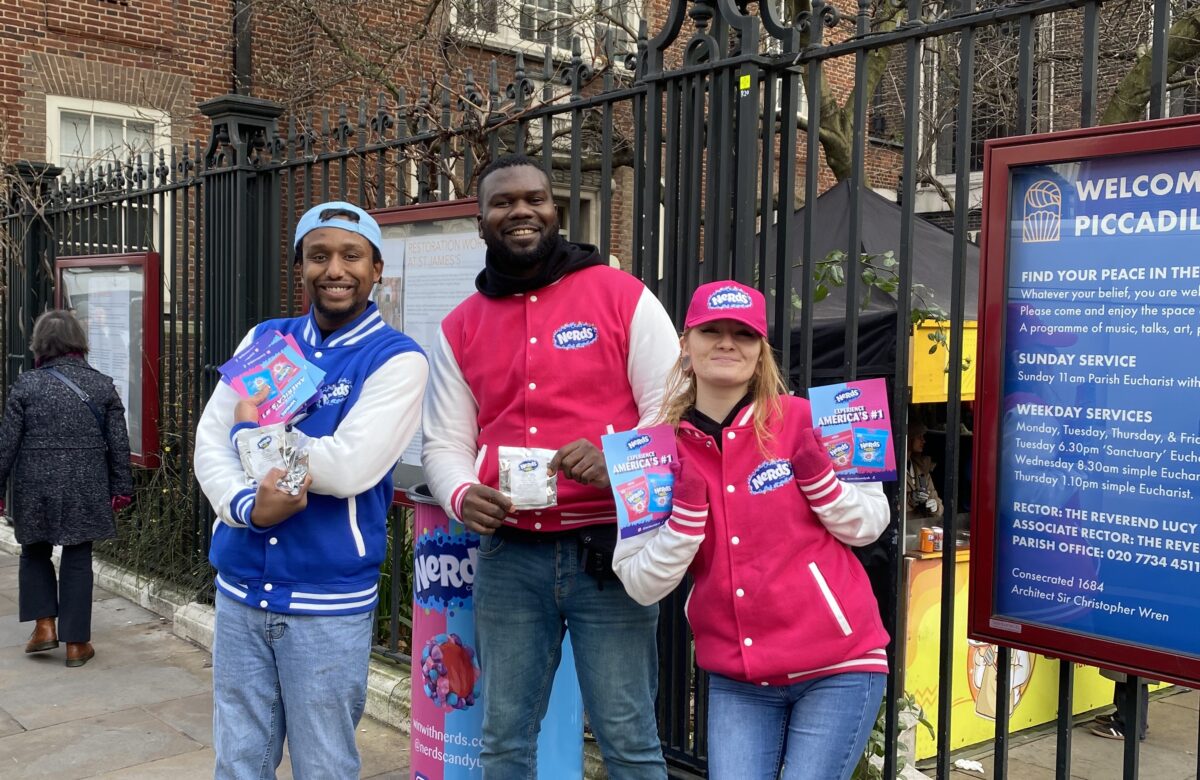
(565, 258)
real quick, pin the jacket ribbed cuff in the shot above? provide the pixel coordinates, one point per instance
(688, 519)
(238, 428)
(242, 506)
(822, 489)
(456, 499)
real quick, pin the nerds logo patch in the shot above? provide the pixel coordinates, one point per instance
(335, 393)
(575, 335)
(729, 298)
(769, 476)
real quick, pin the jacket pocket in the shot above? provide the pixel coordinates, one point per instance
(352, 507)
(831, 602)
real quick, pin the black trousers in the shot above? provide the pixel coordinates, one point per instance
(1124, 702)
(69, 598)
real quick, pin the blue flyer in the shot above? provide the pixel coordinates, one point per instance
(639, 470)
(856, 429)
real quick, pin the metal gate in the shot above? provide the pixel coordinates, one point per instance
(691, 154)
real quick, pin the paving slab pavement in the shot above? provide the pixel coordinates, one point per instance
(1168, 753)
(142, 708)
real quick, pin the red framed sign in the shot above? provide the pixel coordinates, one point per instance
(117, 298)
(432, 253)
(1087, 445)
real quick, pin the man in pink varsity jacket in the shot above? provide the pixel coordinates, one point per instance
(554, 350)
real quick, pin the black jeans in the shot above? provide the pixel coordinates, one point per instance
(69, 598)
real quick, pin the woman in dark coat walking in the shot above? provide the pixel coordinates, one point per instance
(69, 458)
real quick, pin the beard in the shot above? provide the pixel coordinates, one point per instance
(507, 261)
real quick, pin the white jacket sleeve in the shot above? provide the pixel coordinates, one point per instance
(858, 516)
(653, 349)
(651, 564)
(373, 434)
(216, 462)
(449, 453)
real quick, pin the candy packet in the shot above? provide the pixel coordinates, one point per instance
(525, 477)
(274, 447)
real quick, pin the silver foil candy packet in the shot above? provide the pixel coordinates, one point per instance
(526, 479)
(274, 447)
(295, 459)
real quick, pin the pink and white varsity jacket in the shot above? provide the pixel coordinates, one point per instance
(542, 369)
(778, 597)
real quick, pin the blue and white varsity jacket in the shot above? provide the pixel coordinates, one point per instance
(324, 560)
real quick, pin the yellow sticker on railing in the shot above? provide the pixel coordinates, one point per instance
(745, 82)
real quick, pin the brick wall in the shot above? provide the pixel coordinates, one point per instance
(164, 55)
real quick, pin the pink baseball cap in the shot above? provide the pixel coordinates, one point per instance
(728, 300)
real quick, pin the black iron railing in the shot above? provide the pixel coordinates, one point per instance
(692, 156)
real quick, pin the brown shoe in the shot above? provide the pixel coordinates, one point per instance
(79, 653)
(44, 636)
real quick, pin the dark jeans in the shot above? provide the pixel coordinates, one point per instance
(69, 599)
(1124, 702)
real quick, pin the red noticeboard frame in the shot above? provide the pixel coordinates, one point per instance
(423, 212)
(983, 623)
(149, 262)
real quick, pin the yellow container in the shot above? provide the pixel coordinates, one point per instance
(929, 374)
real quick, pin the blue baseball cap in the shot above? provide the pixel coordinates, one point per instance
(366, 226)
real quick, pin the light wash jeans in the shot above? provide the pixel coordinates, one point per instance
(816, 730)
(526, 595)
(299, 676)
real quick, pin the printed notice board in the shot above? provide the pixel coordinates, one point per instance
(1086, 527)
(431, 256)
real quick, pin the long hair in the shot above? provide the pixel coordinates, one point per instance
(766, 385)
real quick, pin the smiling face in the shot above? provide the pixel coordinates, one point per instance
(517, 218)
(338, 269)
(722, 353)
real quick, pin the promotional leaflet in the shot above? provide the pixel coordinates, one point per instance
(274, 361)
(855, 426)
(639, 470)
(1099, 429)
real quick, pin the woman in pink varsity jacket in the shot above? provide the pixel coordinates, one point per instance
(782, 612)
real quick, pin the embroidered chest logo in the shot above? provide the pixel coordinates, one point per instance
(769, 476)
(729, 298)
(576, 335)
(335, 393)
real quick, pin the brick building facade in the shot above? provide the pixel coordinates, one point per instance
(88, 81)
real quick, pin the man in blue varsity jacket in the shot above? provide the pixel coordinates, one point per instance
(298, 576)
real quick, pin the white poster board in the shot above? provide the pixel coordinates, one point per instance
(108, 302)
(429, 267)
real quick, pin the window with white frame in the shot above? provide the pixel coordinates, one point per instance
(530, 25)
(83, 135)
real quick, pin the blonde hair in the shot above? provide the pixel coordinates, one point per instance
(766, 385)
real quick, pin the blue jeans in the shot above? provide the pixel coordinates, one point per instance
(299, 676)
(527, 594)
(816, 729)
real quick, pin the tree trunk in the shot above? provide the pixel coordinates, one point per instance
(1129, 99)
